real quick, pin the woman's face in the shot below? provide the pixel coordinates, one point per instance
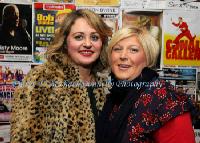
(83, 43)
(128, 59)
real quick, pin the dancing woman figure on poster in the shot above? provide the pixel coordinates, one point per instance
(183, 27)
(58, 101)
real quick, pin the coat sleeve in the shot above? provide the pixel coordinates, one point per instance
(24, 109)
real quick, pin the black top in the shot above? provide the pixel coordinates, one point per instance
(92, 101)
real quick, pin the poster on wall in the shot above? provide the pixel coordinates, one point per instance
(11, 76)
(183, 4)
(4, 132)
(181, 38)
(110, 15)
(197, 135)
(184, 79)
(97, 2)
(47, 19)
(147, 20)
(141, 4)
(17, 1)
(66, 1)
(198, 87)
(15, 32)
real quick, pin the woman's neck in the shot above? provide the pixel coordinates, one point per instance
(85, 74)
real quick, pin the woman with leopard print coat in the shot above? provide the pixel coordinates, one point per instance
(59, 101)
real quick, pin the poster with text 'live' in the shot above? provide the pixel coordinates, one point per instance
(47, 20)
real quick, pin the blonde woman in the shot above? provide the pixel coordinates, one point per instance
(141, 108)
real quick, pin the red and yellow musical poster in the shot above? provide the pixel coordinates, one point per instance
(181, 45)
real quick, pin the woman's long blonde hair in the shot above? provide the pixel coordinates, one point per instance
(59, 45)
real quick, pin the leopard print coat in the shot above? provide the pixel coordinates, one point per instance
(49, 108)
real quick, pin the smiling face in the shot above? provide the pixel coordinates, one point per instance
(127, 58)
(84, 44)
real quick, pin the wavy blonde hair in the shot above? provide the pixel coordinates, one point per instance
(148, 42)
(59, 45)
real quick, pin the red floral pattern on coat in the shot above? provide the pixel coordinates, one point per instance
(161, 92)
(149, 118)
(171, 104)
(146, 99)
(154, 108)
(135, 132)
